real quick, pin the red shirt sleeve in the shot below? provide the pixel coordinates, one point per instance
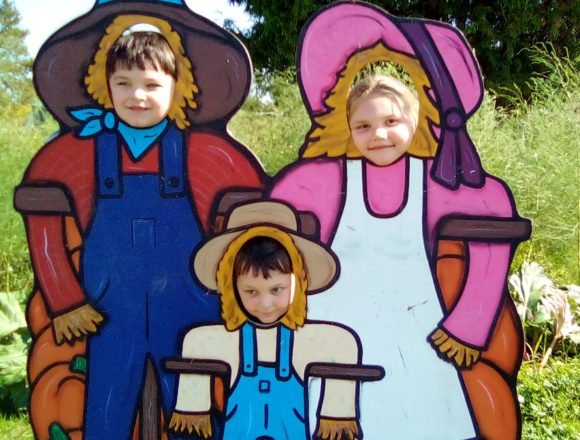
(214, 164)
(67, 163)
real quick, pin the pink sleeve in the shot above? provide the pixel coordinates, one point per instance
(313, 185)
(492, 200)
(472, 318)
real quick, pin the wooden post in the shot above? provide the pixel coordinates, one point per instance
(150, 415)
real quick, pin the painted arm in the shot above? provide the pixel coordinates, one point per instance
(215, 164)
(59, 183)
(466, 328)
(331, 345)
(313, 185)
(192, 412)
(72, 317)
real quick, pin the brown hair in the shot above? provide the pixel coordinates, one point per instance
(232, 314)
(143, 50)
(185, 85)
(260, 255)
(388, 86)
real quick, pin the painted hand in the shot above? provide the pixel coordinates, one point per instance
(198, 423)
(76, 324)
(457, 353)
(331, 429)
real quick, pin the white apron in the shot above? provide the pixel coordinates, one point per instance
(386, 294)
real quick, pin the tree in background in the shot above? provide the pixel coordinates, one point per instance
(15, 63)
(500, 31)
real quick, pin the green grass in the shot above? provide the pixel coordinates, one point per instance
(15, 427)
(535, 148)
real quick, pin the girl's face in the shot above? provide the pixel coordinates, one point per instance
(141, 98)
(266, 299)
(380, 130)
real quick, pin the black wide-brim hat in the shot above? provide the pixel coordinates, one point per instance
(221, 65)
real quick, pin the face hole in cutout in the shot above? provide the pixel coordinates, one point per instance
(382, 111)
(330, 133)
(264, 280)
(389, 69)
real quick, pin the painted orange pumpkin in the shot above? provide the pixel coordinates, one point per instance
(490, 382)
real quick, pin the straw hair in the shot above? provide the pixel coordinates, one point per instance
(330, 133)
(232, 314)
(185, 87)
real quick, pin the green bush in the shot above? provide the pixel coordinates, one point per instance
(550, 315)
(273, 122)
(549, 400)
(14, 343)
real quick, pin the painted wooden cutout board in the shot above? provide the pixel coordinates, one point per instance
(409, 331)
(424, 243)
(113, 214)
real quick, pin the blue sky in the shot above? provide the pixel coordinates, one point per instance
(42, 18)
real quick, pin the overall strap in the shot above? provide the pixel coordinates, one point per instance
(108, 166)
(248, 355)
(285, 342)
(172, 165)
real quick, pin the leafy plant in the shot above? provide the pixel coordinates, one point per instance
(549, 400)
(14, 342)
(545, 310)
(564, 325)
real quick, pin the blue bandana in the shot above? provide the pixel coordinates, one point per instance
(138, 140)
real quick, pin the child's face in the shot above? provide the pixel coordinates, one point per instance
(141, 98)
(380, 130)
(266, 299)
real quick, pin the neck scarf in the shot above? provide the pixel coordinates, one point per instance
(138, 140)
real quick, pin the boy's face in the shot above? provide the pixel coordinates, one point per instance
(266, 299)
(141, 98)
(379, 129)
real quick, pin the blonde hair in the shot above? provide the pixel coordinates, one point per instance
(330, 133)
(387, 86)
(185, 86)
(232, 314)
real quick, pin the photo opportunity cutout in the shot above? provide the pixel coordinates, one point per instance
(424, 241)
(113, 213)
(399, 325)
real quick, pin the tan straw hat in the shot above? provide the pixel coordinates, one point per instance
(320, 263)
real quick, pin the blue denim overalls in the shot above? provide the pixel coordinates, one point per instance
(267, 400)
(135, 270)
